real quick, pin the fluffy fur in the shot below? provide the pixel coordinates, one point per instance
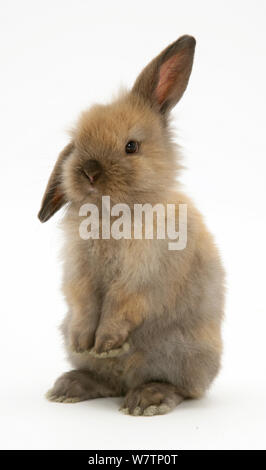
(143, 322)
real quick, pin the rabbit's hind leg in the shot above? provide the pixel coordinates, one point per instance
(79, 385)
(151, 399)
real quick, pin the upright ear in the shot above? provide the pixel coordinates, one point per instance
(54, 197)
(165, 78)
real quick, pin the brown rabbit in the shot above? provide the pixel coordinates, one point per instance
(144, 322)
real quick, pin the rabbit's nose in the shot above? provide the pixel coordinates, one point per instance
(92, 170)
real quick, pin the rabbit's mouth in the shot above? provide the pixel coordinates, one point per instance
(90, 181)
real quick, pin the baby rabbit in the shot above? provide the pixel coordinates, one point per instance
(143, 321)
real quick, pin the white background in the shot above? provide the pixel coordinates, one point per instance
(58, 57)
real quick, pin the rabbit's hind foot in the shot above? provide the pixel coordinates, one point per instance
(151, 399)
(78, 385)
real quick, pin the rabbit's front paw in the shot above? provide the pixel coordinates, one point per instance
(111, 352)
(81, 341)
(108, 345)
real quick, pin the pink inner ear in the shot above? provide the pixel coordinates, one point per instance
(167, 77)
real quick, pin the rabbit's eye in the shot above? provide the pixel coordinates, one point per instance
(132, 146)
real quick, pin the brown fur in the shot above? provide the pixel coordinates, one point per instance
(143, 321)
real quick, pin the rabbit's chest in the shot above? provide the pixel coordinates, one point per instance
(104, 258)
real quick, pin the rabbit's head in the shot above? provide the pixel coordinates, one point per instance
(124, 149)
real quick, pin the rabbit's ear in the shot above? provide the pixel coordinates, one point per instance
(54, 197)
(164, 80)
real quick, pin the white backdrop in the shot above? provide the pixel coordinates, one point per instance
(58, 57)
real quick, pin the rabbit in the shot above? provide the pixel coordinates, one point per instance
(143, 322)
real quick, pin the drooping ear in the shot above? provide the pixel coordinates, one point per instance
(165, 78)
(54, 197)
